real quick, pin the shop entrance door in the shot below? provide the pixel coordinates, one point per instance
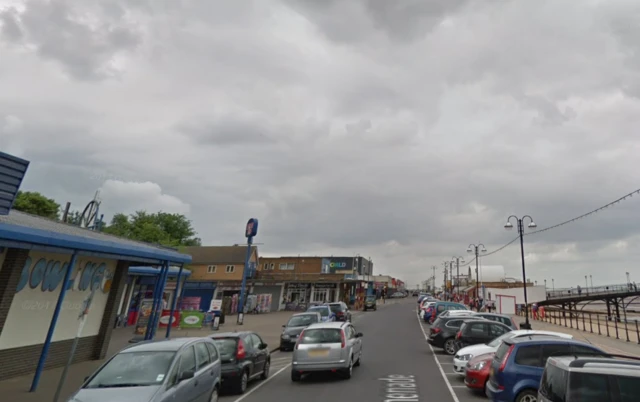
(296, 296)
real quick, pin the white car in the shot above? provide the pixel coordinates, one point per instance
(463, 355)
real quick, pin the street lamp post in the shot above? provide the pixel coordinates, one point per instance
(553, 284)
(591, 280)
(451, 279)
(508, 226)
(458, 261)
(471, 249)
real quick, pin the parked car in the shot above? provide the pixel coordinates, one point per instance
(586, 379)
(329, 346)
(517, 366)
(244, 357)
(398, 295)
(182, 369)
(440, 307)
(415, 294)
(370, 303)
(442, 333)
(476, 372)
(292, 329)
(427, 310)
(457, 313)
(505, 319)
(467, 353)
(325, 313)
(479, 331)
(341, 310)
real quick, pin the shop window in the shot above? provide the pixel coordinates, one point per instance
(287, 266)
(211, 269)
(230, 269)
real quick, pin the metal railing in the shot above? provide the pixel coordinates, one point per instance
(591, 291)
(593, 322)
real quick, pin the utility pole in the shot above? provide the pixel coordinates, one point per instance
(446, 265)
(477, 248)
(434, 278)
(458, 260)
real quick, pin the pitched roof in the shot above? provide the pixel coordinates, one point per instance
(218, 254)
(30, 229)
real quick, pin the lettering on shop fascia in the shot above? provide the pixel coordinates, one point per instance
(400, 388)
(49, 274)
(337, 264)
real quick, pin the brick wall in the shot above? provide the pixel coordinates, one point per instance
(23, 360)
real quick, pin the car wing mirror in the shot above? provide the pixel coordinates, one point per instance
(359, 335)
(263, 346)
(186, 375)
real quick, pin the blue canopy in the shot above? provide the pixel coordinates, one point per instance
(151, 271)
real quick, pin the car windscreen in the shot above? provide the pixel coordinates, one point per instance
(302, 320)
(370, 298)
(321, 335)
(322, 310)
(553, 384)
(226, 346)
(496, 342)
(502, 351)
(133, 369)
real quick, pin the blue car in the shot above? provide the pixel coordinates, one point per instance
(326, 314)
(517, 366)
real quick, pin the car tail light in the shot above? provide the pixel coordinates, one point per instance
(343, 341)
(241, 353)
(435, 330)
(459, 335)
(506, 357)
(299, 338)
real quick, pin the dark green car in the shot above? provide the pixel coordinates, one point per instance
(370, 303)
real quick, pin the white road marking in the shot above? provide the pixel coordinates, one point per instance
(426, 338)
(458, 386)
(257, 387)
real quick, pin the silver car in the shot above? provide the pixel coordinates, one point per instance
(182, 369)
(328, 346)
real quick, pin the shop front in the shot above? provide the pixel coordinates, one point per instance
(272, 292)
(228, 293)
(297, 296)
(324, 293)
(198, 295)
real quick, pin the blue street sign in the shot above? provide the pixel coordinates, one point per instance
(252, 228)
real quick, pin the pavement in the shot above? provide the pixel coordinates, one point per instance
(269, 326)
(608, 344)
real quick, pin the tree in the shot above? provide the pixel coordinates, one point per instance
(36, 204)
(163, 228)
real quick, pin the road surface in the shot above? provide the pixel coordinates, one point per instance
(395, 351)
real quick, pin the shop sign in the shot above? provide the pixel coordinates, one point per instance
(298, 285)
(48, 274)
(324, 286)
(191, 319)
(350, 277)
(337, 264)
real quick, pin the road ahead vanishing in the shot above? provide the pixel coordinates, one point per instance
(397, 365)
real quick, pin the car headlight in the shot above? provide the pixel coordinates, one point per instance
(285, 336)
(479, 366)
(465, 357)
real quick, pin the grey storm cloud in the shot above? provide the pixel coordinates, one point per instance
(398, 130)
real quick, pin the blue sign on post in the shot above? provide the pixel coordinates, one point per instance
(12, 171)
(250, 231)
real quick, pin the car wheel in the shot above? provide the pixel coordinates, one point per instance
(243, 381)
(357, 363)
(450, 346)
(214, 395)
(349, 370)
(528, 395)
(265, 372)
(295, 376)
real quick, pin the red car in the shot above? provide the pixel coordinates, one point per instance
(477, 372)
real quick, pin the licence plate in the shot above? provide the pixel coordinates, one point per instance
(319, 353)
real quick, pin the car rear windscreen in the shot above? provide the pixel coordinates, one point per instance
(502, 351)
(322, 310)
(335, 307)
(321, 335)
(553, 384)
(226, 346)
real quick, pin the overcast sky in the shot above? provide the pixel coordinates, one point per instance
(399, 130)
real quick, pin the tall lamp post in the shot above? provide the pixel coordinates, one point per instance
(509, 226)
(451, 279)
(478, 248)
(458, 261)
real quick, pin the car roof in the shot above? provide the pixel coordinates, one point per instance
(165, 345)
(598, 365)
(536, 332)
(494, 315)
(231, 334)
(305, 313)
(331, 324)
(318, 306)
(544, 340)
